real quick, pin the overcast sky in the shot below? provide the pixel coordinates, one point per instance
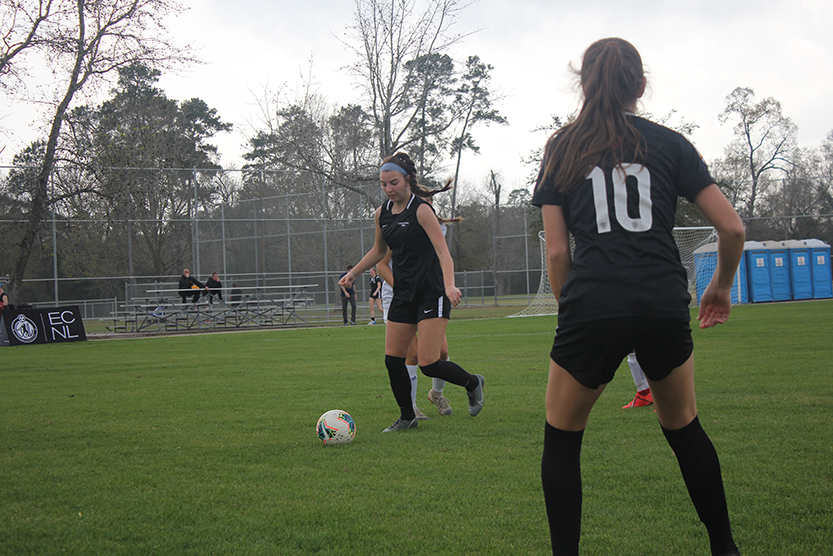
(696, 52)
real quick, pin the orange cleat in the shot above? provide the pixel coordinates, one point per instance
(641, 400)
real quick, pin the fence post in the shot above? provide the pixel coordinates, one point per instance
(526, 255)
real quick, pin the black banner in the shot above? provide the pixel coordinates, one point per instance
(43, 326)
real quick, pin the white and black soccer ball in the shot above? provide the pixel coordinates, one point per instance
(336, 427)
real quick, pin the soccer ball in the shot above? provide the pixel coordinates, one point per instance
(336, 427)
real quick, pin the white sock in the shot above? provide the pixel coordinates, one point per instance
(413, 372)
(636, 372)
(437, 384)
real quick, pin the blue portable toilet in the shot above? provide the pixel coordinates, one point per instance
(779, 271)
(820, 265)
(801, 273)
(757, 271)
(705, 262)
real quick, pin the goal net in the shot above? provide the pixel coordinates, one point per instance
(688, 239)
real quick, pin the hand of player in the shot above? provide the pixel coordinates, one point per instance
(453, 294)
(715, 305)
(347, 280)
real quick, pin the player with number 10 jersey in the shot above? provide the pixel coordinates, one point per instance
(634, 207)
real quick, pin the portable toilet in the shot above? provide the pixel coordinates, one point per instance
(801, 273)
(779, 271)
(705, 262)
(759, 280)
(820, 265)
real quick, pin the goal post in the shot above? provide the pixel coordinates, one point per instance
(688, 239)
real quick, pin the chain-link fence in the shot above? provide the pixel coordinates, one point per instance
(256, 229)
(112, 235)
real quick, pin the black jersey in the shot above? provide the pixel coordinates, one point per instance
(417, 273)
(626, 262)
(374, 285)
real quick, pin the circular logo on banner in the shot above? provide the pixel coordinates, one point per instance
(24, 329)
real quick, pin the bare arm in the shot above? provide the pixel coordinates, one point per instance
(559, 259)
(372, 258)
(384, 270)
(428, 220)
(716, 301)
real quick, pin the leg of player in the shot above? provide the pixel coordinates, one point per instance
(568, 407)
(412, 363)
(643, 390)
(677, 412)
(435, 395)
(398, 337)
(431, 333)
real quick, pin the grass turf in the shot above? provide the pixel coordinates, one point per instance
(206, 444)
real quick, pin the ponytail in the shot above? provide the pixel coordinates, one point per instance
(611, 79)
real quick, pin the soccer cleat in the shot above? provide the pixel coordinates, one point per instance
(439, 400)
(372, 322)
(640, 401)
(402, 425)
(476, 396)
(420, 416)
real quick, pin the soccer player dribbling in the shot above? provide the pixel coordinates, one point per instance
(423, 288)
(611, 179)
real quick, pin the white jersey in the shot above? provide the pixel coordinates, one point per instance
(387, 295)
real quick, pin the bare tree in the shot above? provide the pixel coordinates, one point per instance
(474, 104)
(388, 35)
(764, 140)
(20, 24)
(88, 43)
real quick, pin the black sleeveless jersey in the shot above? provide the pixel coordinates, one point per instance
(626, 262)
(417, 274)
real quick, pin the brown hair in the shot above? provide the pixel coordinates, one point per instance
(404, 161)
(611, 78)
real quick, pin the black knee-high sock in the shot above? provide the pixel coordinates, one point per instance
(400, 383)
(701, 472)
(561, 478)
(450, 372)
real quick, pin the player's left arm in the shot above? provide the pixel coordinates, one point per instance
(559, 259)
(384, 270)
(428, 220)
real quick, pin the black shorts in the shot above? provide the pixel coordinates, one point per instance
(592, 351)
(411, 312)
(372, 296)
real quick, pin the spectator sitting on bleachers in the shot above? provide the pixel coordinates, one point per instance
(214, 287)
(188, 282)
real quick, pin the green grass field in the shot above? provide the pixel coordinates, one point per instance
(206, 444)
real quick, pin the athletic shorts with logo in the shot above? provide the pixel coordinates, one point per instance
(412, 312)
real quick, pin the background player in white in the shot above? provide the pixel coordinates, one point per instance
(643, 389)
(612, 180)
(424, 289)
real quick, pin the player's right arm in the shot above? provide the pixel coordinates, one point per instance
(372, 258)
(559, 259)
(716, 301)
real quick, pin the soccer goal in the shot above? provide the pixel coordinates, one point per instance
(688, 239)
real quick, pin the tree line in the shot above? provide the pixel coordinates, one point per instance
(143, 169)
